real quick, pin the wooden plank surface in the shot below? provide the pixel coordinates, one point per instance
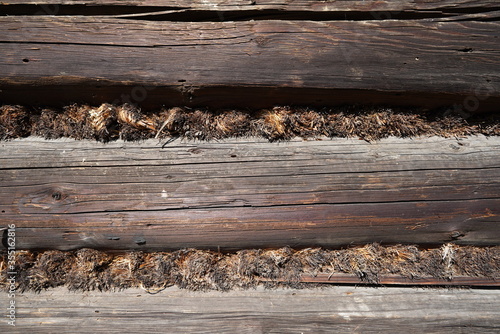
(99, 59)
(247, 193)
(388, 55)
(393, 280)
(302, 5)
(334, 310)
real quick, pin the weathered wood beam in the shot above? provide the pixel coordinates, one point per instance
(399, 62)
(238, 194)
(339, 310)
(301, 5)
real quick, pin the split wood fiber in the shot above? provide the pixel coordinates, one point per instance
(234, 194)
(193, 269)
(252, 53)
(110, 122)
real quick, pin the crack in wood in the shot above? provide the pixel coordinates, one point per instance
(246, 13)
(294, 205)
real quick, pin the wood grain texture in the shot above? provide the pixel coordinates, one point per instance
(193, 63)
(344, 5)
(247, 193)
(334, 310)
(391, 280)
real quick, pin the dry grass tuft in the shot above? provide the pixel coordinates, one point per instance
(89, 271)
(12, 122)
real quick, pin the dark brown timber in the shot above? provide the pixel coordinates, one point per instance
(444, 6)
(236, 194)
(427, 62)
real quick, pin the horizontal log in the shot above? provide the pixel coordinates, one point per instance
(284, 5)
(101, 59)
(246, 193)
(339, 310)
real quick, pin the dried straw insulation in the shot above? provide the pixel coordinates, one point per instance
(88, 269)
(109, 122)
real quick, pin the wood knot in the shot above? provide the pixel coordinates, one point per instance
(456, 235)
(195, 150)
(140, 240)
(262, 41)
(51, 199)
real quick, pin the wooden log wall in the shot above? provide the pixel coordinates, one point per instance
(251, 53)
(246, 193)
(249, 193)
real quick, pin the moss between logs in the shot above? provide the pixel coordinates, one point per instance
(88, 269)
(109, 122)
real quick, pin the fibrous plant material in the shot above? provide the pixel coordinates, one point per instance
(110, 122)
(88, 269)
